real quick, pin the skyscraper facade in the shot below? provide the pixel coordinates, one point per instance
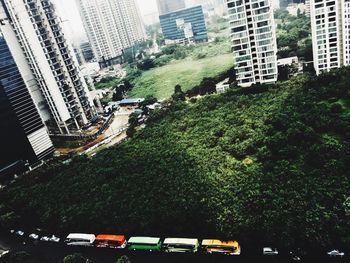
(167, 6)
(184, 26)
(24, 138)
(44, 59)
(111, 26)
(330, 23)
(253, 41)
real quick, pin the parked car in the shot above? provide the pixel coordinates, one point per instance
(294, 256)
(268, 251)
(297, 254)
(45, 239)
(4, 252)
(54, 239)
(18, 233)
(335, 253)
(34, 236)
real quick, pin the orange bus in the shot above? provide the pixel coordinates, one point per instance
(110, 241)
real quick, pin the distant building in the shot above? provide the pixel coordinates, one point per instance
(288, 61)
(294, 7)
(24, 138)
(275, 4)
(111, 26)
(131, 102)
(78, 55)
(46, 62)
(253, 41)
(184, 26)
(86, 52)
(168, 6)
(307, 7)
(330, 23)
(223, 86)
(288, 67)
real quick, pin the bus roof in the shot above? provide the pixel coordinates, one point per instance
(89, 237)
(182, 241)
(144, 240)
(110, 238)
(215, 242)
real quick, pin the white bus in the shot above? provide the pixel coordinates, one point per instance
(80, 240)
(180, 245)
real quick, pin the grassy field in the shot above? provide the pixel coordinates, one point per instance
(160, 82)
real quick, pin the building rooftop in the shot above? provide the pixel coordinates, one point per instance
(131, 101)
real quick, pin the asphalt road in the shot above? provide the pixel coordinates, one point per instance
(54, 253)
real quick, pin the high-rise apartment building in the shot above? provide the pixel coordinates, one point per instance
(330, 23)
(167, 6)
(111, 26)
(253, 41)
(44, 59)
(24, 138)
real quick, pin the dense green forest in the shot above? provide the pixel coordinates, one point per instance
(266, 164)
(293, 35)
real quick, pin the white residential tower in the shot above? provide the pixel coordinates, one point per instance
(253, 41)
(111, 26)
(330, 22)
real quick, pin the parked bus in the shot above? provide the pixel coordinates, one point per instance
(110, 241)
(144, 243)
(180, 245)
(214, 246)
(80, 240)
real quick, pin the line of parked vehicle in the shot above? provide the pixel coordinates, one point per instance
(156, 244)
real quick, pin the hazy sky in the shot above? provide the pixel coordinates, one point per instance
(73, 26)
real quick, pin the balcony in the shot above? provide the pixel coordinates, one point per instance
(46, 4)
(77, 84)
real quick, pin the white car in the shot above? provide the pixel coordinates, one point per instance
(54, 239)
(45, 238)
(19, 233)
(335, 253)
(34, 236)
(3, 253)
(268, 251)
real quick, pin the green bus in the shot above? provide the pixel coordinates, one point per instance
(144, 243)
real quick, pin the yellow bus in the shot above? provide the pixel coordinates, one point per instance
(214, 246)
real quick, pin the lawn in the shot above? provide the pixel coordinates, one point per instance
(160, 82)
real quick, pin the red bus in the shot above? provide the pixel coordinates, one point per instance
(110, 241)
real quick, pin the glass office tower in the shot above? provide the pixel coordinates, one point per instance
(24, 138)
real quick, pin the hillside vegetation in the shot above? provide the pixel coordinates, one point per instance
(257, 164)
